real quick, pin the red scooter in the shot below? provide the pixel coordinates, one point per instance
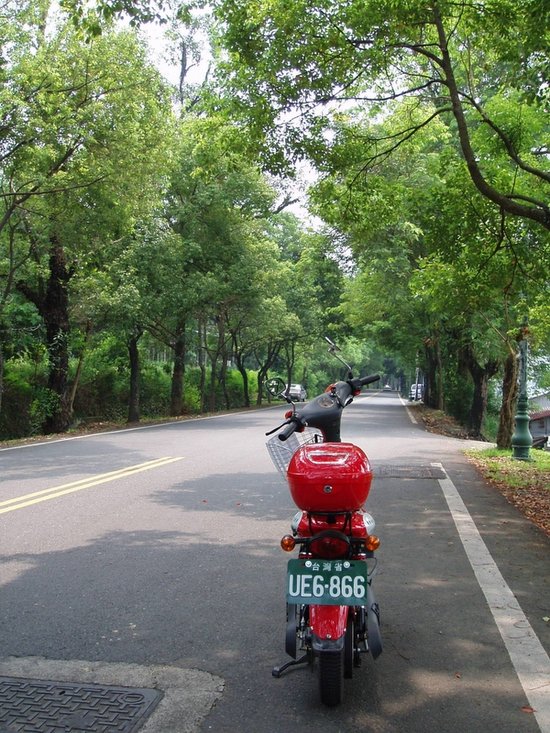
(332, 614)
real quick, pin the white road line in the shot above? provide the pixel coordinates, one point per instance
(528, 656)
(409, 411)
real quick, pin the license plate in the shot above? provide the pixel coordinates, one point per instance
(327, 582)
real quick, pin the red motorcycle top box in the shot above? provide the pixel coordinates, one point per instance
(329, 477)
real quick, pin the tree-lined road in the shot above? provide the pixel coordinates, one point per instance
(159, 546)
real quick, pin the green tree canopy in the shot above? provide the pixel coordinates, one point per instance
(85, 129)
(295, 64)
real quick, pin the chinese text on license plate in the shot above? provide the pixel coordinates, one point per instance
(327, 582)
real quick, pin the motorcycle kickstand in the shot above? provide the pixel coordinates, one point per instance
(278, 671)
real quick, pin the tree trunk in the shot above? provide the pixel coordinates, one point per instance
(56, 317)
(479, 404)
(433, 382)
(133, 352)
(201, 349)
(480, 376)
(216, 353)
(290, 359)
(238, 356)
(509, 396)
(244, 374)
(212, 388)
(74, 386)
(178, 373)
(222, 348)
(223, 381)
(1, 374)
(429, 394)
(273, 349)
(213, 355)
(52, 302)
(55, 312)
(262, 374)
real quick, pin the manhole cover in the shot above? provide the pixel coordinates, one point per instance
(407, 471)
(43, 706)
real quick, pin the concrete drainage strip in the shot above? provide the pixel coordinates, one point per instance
(47, 696)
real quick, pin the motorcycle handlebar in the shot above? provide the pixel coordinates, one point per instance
(369, 379)
(318, 414)
(287, 431)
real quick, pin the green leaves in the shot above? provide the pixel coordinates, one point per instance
(295, 66)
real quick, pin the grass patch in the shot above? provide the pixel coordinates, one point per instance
(526, 484)
(498, 465)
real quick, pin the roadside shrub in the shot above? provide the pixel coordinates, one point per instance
(252, 385)
(191, 394)
(103, 390)
(234, 389)
(459, 392)
(99, 395)
(44, 404)
(15, 421)
(191, 389)
(25, 401)
(490, 427)
(490, 424)
(154, 390)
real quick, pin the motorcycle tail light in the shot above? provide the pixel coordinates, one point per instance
(288, 543)
(329, 548)
(372, 543)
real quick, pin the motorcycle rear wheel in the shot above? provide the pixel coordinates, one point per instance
(331, 677)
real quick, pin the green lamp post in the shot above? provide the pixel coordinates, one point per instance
(522, 439)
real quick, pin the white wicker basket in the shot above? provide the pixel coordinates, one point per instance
(282, 451)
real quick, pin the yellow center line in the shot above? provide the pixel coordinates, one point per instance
(19, 502)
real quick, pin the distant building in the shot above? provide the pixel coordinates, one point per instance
(540, 402)
(539, 419)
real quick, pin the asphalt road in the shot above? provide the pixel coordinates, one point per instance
(156, 549)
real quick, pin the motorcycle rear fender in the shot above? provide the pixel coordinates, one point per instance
(328, 627)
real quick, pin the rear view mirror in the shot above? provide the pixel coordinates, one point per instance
(276, 387)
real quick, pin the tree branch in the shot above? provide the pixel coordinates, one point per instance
(508, 144)
(402, 136)
(540, 214)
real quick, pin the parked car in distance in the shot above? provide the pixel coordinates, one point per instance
(416, 392)
(297, 392)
